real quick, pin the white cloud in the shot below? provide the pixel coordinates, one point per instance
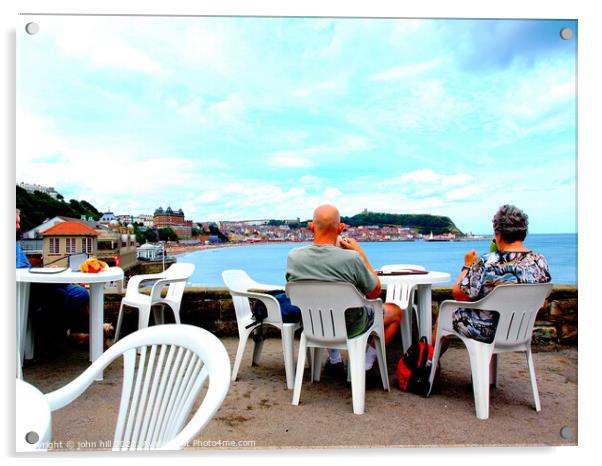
(289, 159)
(428, 176)
(308, 156)
(92, 166)
(464, 192)
(319, 88)
(230, 110)
(207, 197)
(310, 179)
(406, 71)
(331, 193)
(96, 41)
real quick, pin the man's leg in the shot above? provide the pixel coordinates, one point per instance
(392, 320)
(76, 303)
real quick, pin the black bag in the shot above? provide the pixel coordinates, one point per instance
(414, 368)
(290, 313)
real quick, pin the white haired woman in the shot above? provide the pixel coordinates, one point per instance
(509, 262)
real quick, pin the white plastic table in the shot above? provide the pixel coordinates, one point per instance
(33, 421)
(96, 281)
(423, 284)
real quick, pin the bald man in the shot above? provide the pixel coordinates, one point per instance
(331, 258)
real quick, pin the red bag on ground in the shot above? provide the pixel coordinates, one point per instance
(414, 368)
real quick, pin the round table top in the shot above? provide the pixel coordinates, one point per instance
(32, 415)
(416, 279)
(68, 276)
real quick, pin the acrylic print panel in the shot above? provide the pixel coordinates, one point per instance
(235, 121)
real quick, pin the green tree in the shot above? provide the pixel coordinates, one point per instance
(150, 235)
(167, 234)
(423, 223)
(37, 207)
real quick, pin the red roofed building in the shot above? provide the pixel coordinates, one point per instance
(67, 238)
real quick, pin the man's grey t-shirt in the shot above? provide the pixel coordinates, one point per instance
(329, 263)
(333, 264)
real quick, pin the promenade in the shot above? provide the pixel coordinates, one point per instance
(257, 413)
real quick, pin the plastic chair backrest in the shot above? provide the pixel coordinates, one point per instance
(160, 385)
(181, 272)
(323, 306)
(238, 281)
(400, 294)
(517, 305)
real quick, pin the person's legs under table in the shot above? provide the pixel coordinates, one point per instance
(392, 319)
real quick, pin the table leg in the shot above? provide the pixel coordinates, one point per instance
(22, 301)
(425, 309)
(96, 321)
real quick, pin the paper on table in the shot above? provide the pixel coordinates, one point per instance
(403, 272)
(47, 270)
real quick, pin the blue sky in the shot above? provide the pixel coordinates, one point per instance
(245, 118)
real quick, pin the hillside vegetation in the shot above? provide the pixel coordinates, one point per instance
(423, 223)
(38, 206)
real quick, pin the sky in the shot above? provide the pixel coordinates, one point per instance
(233, 118)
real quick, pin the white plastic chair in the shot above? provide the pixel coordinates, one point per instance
(160, 385)
(517, 306)
(239, 283)
(174, 278)
(403, 296)
(323, 306)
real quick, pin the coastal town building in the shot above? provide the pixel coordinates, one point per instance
(117, 245)
(149, 252)
(173, 219)
(31, 188)
(107, 217)
(114, 243)
(125, 218)
(144, 219)
(66, 238)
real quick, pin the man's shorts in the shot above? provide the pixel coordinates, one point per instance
(358, 320)
(476, 324)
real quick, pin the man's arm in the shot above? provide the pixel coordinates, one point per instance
(350, 243)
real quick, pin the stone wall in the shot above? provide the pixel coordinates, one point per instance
(212, 308)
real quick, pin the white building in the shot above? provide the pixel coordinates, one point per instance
(125, 218)
(146, 220)
(107, 217)
(148, 251)
(31, 187)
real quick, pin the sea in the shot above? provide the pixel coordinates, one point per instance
(267, 262)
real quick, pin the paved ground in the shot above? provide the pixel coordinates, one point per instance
(258, 407)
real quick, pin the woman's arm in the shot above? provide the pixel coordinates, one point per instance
(469, 259)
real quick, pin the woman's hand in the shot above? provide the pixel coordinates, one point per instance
(470, 258)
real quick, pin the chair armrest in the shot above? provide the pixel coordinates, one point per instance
(134, 282)
(376, 303)
(379, 310)
(271, 303)
(159, 284)
(65, 395)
